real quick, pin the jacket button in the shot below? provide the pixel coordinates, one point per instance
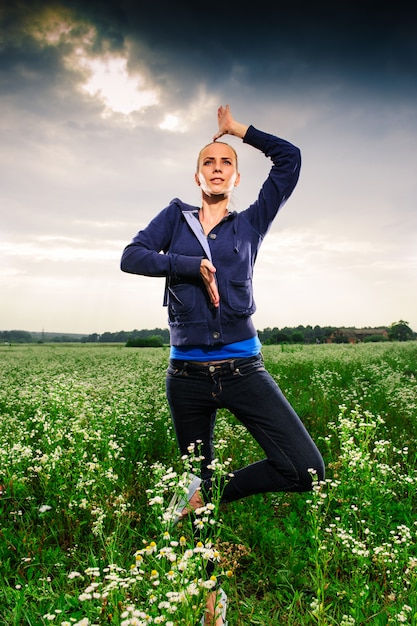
(212, 235)
(216, 335)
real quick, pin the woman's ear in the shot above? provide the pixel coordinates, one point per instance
(197, 179)
(237, 181)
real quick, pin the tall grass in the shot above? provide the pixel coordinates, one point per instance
(88, 460)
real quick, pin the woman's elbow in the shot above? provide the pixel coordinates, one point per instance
(126, 261)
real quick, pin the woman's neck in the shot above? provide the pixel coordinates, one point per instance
(211, 213)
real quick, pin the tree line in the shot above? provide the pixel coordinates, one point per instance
(398, 331)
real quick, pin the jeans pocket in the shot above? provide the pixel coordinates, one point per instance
(250, 365)
(176, 371)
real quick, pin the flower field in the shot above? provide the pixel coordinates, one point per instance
(89, 463)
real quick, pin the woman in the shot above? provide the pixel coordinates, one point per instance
(208, 259)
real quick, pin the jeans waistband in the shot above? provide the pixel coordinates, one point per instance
(226, 365)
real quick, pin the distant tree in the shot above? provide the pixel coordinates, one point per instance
(308, 334)
(93, 338)
(120, 337)
(375, 338)
(163, 332)
(155, 341)
(107, 337)
(64, 339)
(279, 337)
(265, 334)
(400, 331)
(297, 337)
(16, 336)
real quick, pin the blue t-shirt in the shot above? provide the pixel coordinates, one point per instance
(237, 350)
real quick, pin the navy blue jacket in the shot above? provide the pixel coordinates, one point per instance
(168, 247)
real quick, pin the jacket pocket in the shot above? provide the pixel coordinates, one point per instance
(181, 300)
(240, 296)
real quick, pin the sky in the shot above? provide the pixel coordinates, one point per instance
(106, 104)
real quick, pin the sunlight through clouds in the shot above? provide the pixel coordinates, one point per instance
(109, 81)
(202, 104)
(106, 76)
(172, 123)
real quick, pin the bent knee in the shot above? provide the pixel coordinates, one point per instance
(305, 476)
(310, 476)
(302, 475)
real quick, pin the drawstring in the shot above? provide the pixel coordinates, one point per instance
(236, 241)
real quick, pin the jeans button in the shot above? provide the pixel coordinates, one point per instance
(212, 368)
(216, 335)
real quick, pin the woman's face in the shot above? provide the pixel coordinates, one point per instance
(217, 170)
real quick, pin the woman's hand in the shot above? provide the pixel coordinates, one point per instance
(228, 125)
(208, 275)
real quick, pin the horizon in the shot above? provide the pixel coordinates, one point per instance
(166, 328)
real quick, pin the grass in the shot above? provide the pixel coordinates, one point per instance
(89, 461)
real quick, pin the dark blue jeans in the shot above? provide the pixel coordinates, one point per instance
(246, 389)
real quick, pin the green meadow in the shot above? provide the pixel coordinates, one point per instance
(89, 463)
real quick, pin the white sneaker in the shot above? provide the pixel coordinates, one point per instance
(180, 501)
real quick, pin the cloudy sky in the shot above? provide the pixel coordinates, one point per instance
(105, 105)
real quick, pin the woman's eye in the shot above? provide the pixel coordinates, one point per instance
(210, 162)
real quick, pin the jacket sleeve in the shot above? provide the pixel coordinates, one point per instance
(281, 181)
(148, 253)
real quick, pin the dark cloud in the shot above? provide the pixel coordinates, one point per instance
(298, 41)
(320, 43)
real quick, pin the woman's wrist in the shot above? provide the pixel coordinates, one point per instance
(238, 129)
